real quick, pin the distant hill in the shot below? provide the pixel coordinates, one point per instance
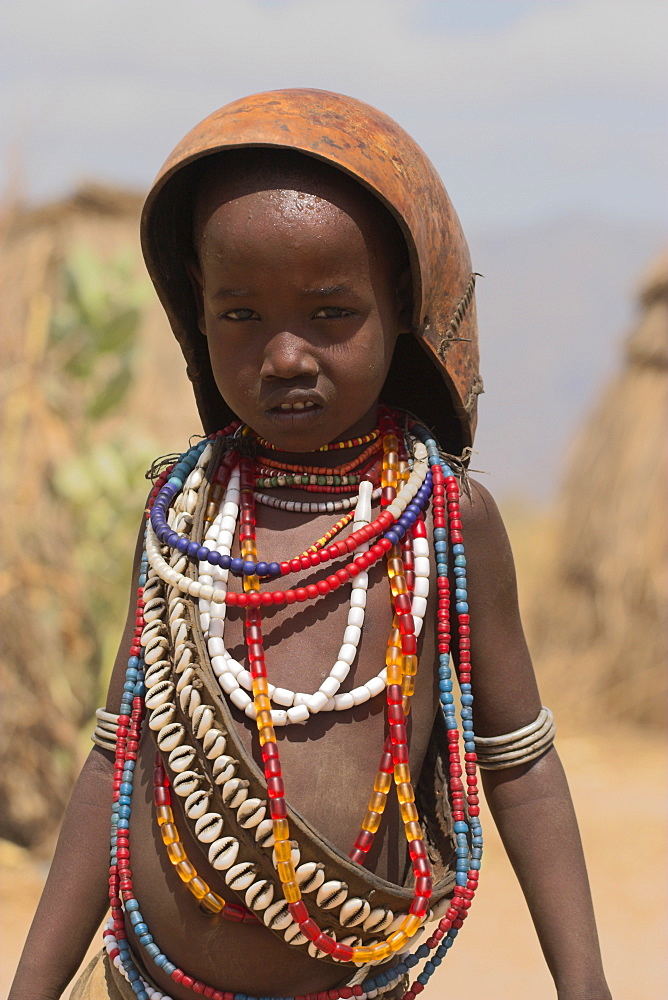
(553, 307)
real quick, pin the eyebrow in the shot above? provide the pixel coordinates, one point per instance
(329, 290)
(238, 293)
(310, 292)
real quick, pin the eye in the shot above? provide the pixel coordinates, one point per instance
(333, 312)
(240, 315)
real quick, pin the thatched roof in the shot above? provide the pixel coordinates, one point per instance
(599, 627)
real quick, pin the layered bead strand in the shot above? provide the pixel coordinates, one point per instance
(210, 901)
(446, 490)
(383, 780)
(333, 445)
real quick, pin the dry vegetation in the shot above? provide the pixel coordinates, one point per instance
(71, 479)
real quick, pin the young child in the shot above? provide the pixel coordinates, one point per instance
(295, 808)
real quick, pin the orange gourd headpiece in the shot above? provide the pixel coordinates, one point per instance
(371, 148)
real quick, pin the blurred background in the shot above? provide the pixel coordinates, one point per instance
(546, 121)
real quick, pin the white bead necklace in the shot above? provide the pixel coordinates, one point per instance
(298, 706)
(306, 507)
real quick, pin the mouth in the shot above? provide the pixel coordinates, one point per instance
(297, 407)
(295, 411)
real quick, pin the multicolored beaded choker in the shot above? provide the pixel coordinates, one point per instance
(333, 445)
(401, 537)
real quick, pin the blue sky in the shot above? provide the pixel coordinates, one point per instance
(529, 109)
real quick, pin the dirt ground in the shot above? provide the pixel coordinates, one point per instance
(497, 955)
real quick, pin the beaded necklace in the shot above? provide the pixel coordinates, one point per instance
(445, 488)
(304, 507)
(297, 707)
(234, 679)
(402, 511)
(333, 445)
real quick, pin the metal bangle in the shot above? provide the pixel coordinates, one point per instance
(518, 747)
(105, 732)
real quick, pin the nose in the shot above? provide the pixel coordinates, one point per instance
(288, 356)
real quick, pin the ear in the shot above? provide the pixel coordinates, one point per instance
(405, 301)
(196, 280)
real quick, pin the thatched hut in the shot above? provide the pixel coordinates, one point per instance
(599, 626)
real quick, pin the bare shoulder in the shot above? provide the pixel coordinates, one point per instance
(488, 550)
(506, 692)
(480, 512)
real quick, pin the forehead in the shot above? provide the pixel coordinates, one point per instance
(243, 186)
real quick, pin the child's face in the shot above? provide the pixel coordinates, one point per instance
(301, 301)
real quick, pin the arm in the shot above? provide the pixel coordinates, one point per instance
(75, 899)
(530, 803)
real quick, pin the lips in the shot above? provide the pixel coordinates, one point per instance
(293, 401)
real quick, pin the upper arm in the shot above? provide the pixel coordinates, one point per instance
(502, 677)
(117, 679)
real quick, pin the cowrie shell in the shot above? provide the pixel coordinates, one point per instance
(259, 895)
(224, 767)
(190, 501)
(176, 609)
(156, 652)
(194, 479)
(182, 758)
(209, 827)
(223, 853)
(159, 694)
(331, 894)
(250, 813)
(184, 660)
(264, 835)
(179, 563)
(179, 631)
(234, 792)
(183, 523)
(214, 744)
(186, 677)
(354, 911)
(310, 876)
(159, 671)
(202, 720)
(161, 716)
(153, 609)
(189, 699)
(153, 631)
(294, 936)
(186, 782)
(152, 589)
(197, 803)
(277, 916)
(378, 920)
(170, 736)
(241, 876)
(155, 648)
